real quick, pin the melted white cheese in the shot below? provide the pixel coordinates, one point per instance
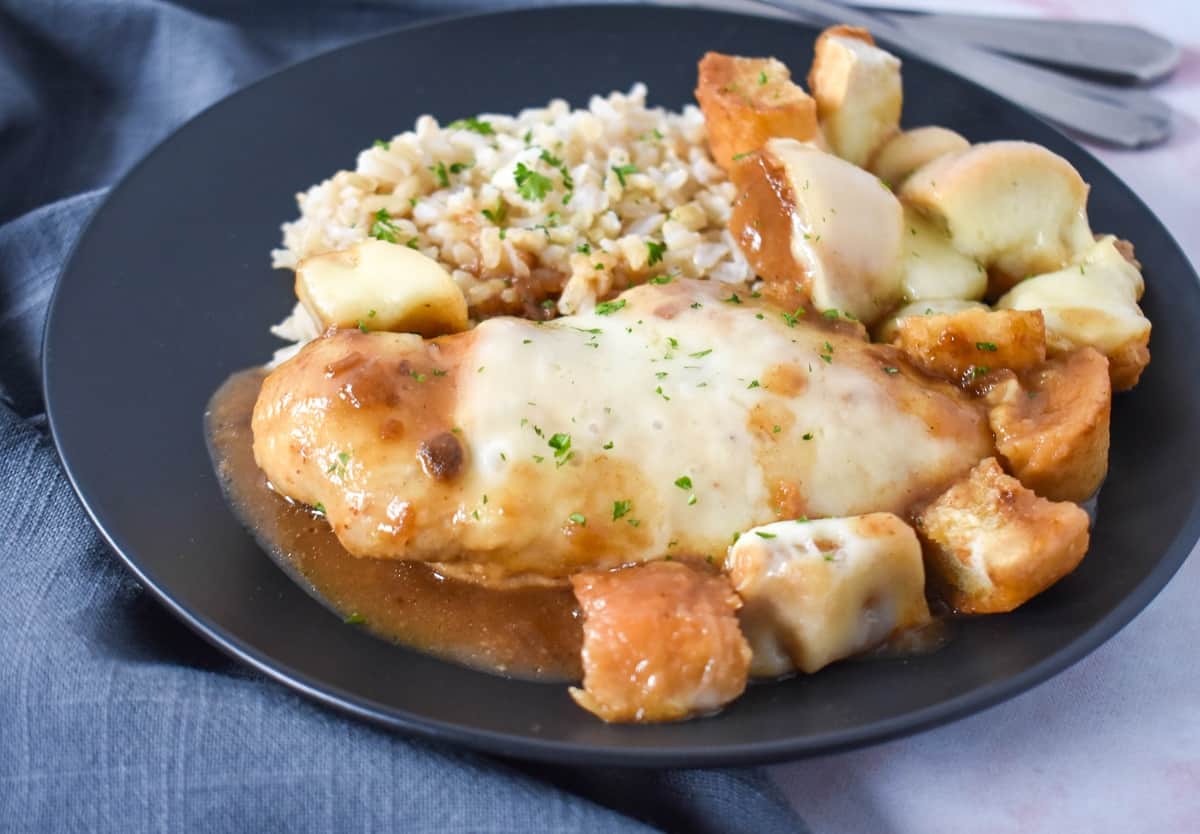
(674, 398)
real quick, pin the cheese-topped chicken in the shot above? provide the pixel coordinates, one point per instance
(663, 422)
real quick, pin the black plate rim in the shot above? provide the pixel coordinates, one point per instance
(527, 747)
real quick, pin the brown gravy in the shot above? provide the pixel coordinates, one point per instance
(530, 632)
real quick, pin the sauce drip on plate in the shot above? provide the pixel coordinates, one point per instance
(528, 632)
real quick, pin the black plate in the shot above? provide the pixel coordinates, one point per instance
(170, 289)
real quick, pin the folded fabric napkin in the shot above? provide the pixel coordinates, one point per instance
(113, 716)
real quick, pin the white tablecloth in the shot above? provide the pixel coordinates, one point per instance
(1112, 744)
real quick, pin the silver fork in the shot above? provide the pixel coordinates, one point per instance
(1128, 118)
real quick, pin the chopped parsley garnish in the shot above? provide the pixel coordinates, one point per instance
(383, 228)
(459, 167)
(319, 507)
(419, 377)
(355, 619)
(607, 308)
(792, 318)
(338, 467)
(474, 125)
(659, 391)
(762, 77)
(742, 155)
(753, 384)
(763, 535)
(733, 299)
(831, 313)
(538, 458)
(567, 181)
(621, 508)
(578, 518)
(655, 254)
(561, 444)
(990, 347)
(979, 370)
(777, 428)
(411, 243)
(691, 499)
(607, 445)
(498, 215)
(379, 143)
(659, 279)
(623, 171)
(547, 304)
(807, 435)
(701, 353)
(531, 185)
(683, 482)
(585, 248)
(443, 178)
(888, 369)
(362, 326)
(696, 305)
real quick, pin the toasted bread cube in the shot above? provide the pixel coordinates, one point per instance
(886, 330)
(1016, 207)
(858, 92)
(908, 150)
(377, 285)
(966, 345)
(1092, 303)
(661, 642)
(935, 269)
(789, 223)
(1052, 429)
(818, 591)
(992, 544)
(746, 101)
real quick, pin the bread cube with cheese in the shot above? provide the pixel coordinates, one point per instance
(1016, 207)
(814, 592)
(858, 91)
(909, 150)
(1092, 303)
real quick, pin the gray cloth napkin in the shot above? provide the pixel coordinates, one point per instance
(113, 716)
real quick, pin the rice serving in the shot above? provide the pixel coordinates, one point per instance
(537, 214)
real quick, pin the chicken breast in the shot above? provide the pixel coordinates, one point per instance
(661, 642)
(662, 422)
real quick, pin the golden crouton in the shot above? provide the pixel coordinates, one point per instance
(965, 346)
(991, 544)
(858, 92)
(661, 642)
(1052, 431)
(747, 101)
